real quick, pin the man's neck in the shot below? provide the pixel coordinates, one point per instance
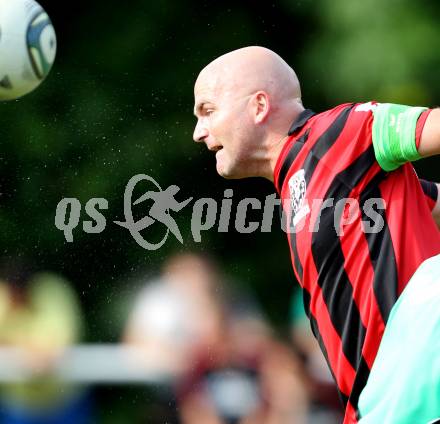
(279, 139)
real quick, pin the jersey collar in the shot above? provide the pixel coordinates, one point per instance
(301, 120)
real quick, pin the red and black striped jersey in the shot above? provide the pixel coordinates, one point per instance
(352, 257)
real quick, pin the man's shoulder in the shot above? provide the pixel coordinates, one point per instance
(369, 106)
(356, 113)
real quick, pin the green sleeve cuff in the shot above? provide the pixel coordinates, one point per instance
(394, 134)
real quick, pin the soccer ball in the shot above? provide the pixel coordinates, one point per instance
(27, 47)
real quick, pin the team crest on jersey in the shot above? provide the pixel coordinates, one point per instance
(297, 188)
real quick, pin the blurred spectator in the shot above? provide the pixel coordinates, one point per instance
(176, 313)
(40, 314)
(228, 367)
(246, 377)
(174, 316)
(325, 405)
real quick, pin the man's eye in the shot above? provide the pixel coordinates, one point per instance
(209, 111)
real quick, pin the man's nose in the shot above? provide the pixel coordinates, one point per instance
(200, 133)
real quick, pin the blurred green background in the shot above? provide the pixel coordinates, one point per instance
(119, 102)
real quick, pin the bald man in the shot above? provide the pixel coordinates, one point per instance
(371, 273)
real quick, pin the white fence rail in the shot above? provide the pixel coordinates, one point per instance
(87, 363)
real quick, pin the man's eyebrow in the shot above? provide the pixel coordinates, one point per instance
(199, 107)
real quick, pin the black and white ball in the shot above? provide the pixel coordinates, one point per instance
(27, 47)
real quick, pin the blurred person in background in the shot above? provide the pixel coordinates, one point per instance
(227, 365)
(176, 313)
(173, 316)
(39, 314)
(246, 376)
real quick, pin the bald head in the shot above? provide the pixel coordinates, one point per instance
(245, 102)
(250, 69)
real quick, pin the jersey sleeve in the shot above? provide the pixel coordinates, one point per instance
(420, 125)
(394, 134)
(431, 193)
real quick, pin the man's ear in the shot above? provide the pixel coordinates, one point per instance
(260, 106)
